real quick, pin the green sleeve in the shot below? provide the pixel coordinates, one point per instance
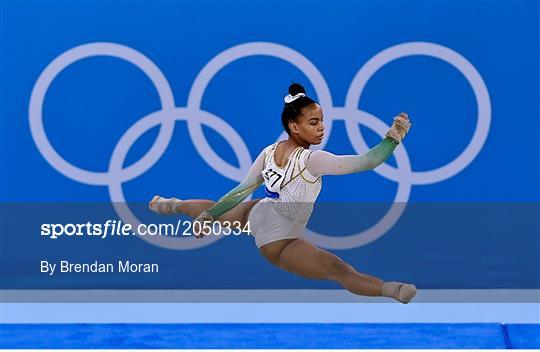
(233, 198)
(251, 182)
(382, 151)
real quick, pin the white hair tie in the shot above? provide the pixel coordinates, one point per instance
(290, 98)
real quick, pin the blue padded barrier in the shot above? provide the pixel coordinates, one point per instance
(252, 336)
(524, 335)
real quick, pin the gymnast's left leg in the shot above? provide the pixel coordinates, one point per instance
(303, 258)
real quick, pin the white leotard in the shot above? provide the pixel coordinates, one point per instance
(291, 189)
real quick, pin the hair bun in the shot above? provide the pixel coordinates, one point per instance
(296, 88)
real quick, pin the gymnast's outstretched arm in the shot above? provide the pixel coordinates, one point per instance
(251, 182)
(321, 162)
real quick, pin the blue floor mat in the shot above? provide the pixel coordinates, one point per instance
(524, 335)
(252, 336)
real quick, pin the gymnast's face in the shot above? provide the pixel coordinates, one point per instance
(309, 126)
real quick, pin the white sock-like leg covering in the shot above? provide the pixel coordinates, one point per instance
(164, 206)
(399, 291)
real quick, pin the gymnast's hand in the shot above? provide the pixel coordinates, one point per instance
(202, 225)
(399, 128)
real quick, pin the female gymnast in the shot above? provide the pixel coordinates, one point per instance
(292, 176)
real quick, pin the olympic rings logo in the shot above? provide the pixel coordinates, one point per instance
(195, 118)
